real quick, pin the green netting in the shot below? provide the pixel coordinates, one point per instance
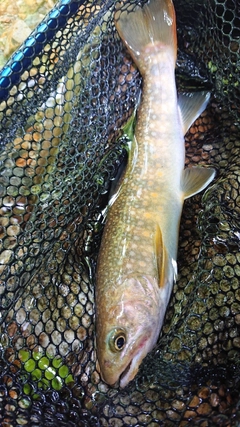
(64, 97)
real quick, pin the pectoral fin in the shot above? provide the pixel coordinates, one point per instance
(191, 105)
(161, 258)
(196, 179)
(167, 268)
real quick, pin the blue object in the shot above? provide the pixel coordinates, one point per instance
(21, 60)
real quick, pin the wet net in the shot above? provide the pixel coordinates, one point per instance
(64, 97)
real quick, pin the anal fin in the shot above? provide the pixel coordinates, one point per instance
(191, 106)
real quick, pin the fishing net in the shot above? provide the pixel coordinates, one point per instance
(65, 96)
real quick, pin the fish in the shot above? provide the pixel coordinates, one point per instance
(137, 261)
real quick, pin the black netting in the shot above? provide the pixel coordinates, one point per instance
(64, 96)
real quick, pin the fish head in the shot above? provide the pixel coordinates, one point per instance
(130, 329)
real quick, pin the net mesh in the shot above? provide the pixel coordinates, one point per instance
(65, 94)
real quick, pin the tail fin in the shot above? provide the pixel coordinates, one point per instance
(154, 26)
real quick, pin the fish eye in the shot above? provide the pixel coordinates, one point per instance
(118, 340)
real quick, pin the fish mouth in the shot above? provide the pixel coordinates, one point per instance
(132, 368)
(124, 377)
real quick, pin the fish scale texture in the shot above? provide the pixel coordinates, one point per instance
(65, 95)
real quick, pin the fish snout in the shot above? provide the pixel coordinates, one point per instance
(109, 372)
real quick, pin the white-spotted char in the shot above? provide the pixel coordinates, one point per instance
(137, 260)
